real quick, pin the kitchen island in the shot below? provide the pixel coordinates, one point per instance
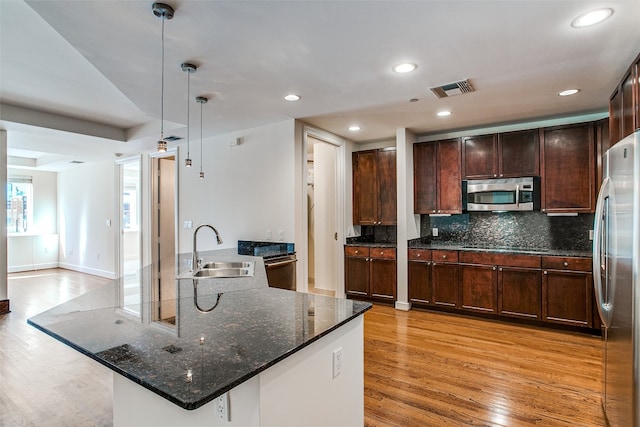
(273, 351)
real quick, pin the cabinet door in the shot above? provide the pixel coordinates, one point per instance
(519, 153)
(387, 187)
(567, 297)
(520, 293)
(365, 196)
(356, 271)
(445, 284)
(615, 116)
(420, 282)
(383, 278)
(628, 110)
(478, 288)
(424, 178)
(480, 157)
(568, 170)
(449, 177)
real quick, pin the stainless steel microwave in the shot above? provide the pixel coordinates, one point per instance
(500, 195)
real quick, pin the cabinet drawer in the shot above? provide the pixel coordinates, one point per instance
(356, 251)
(505, 260)
(420, 254)
(383, 253)
(444, 256)
(566, 263)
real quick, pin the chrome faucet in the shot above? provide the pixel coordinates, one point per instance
(194, 259)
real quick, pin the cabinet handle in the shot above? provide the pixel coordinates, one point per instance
(444, 257)
(366, 260)
(418, 255)
(494, 175)
(428, 262)
(357, 252)
(545, 272)
(566, 264)
(494, 269)
(381, 252)
(501, 175)
(500, 269)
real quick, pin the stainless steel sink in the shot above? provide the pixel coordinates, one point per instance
(221, 269)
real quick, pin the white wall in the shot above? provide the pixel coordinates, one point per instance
(86, 198)
(248, 188)
(3, 216)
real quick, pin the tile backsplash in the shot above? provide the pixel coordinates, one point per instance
(511, 229)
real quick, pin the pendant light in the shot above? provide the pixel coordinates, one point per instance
(189, 69)
(164, 12)
(201, 100)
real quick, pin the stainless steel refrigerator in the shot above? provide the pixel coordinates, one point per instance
(616, 269)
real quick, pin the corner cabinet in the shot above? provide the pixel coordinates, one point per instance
(568, 168)
(370, 272)
(374, 187)
(437, 177)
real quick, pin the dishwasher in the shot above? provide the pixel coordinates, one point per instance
(281, 271)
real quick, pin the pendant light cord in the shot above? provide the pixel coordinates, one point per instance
(188, 95)
(201, 137)
(162, 88)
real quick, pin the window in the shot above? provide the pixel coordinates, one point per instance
(19, 204)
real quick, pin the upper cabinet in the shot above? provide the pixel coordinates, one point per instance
(568, 168)
(374, 187)
(437, 177)
(504, 155)
(624, 105)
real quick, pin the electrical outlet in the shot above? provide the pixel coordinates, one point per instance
(187, 263)
(222, 407)
(590, 234)
(434, 232)
(337, 362)
(188, 224)
(268, 235)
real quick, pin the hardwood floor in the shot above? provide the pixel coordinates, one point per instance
(421, 368)
(431, 369)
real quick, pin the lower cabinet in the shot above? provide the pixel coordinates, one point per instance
(567, 291)
(548, 288)
(370, 272)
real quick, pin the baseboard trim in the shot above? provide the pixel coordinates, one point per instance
(88, 270)
(404, 306)
(4, 306)
(31, 267)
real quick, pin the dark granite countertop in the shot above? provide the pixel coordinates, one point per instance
(251, 328)
(457, 246)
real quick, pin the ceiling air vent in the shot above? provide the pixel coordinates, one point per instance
(452, 89)
(172, 138)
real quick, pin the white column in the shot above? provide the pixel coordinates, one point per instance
(408, 223)
(3, 221)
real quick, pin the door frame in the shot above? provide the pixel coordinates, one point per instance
(303, 240)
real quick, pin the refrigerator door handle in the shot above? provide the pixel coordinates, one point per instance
(603, 306)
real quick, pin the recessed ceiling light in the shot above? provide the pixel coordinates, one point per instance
(354, 128)
(443, 113)
(568, 92)
(406, 67)
(292, 97)
(591, 18)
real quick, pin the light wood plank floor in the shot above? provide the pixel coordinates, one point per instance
(421, 368)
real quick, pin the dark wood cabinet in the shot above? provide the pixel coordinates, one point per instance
(419, 278)
(568, 168)
(520, 292)
(437, 178)
(567, 295)
(370, 272)
(480, 156)
(478, 288)
(356, 270)
(624, 104)
(374, 187)
(505, 155)
(445, 278)
(519, 153)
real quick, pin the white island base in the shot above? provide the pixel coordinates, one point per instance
(298, 391)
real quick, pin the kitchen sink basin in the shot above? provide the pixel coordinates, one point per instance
(220, 269)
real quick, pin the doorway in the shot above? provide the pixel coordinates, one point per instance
(323, 246)
(130, 238)
(163, 237)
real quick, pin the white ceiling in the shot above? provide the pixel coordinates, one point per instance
(80, 80)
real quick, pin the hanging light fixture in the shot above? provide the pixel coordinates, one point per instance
(201, 100)
(164, 12)
(189, 69)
